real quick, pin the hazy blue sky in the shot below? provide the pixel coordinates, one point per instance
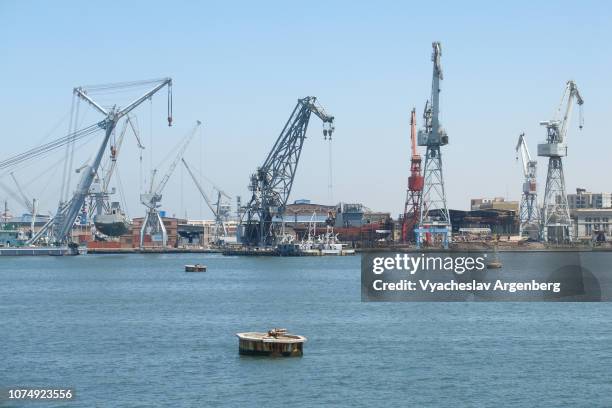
(240, 66)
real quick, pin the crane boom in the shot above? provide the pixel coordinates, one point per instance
(200, 189)
(413, 133)
(214, 208)
(114, 153)
(525, 156)
(179, 156)
(573, 93)
(154, 195)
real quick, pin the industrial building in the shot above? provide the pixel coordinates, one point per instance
(497, 221)
(592, 223)
(585, 199)
(591, 214)
(496, 203)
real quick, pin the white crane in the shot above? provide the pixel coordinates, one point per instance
(152, 223)
(434, 217)
(215, 208)
(529, 213)
(61, 224)
(556, 221)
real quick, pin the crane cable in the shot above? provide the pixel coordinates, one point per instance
(71, 146)
(48, 147)
(65, 172)
(121, 193)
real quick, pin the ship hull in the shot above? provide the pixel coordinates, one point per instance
(112, 225)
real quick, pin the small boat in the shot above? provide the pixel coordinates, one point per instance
(274, 343)
(195, 268)
(494, 264)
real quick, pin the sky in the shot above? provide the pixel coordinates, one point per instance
(240, 67)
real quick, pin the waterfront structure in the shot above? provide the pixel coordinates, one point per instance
(593, 224)
(498, 221)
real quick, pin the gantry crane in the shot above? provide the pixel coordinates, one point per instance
(434, 218)
(271, 184)
(61, 224)
(556, 221)
(529, 213)
(415, 186)
(152, 223)
(220, 231)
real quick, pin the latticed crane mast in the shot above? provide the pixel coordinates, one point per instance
(271, 184)
(415, 186)
(529, 212)
(556, 221)
(434, 218)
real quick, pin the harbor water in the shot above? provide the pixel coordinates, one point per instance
(136, 330)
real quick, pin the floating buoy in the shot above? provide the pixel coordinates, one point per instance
(274, 343)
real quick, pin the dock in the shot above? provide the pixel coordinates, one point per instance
(37, 251)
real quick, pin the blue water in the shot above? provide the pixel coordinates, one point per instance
(132, 330)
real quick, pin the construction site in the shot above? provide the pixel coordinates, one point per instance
(89, 217)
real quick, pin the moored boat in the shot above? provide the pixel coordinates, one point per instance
(195, 268)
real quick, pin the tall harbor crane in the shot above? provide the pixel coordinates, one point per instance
(271, 184)
(61, 224)
(152, 223)
(434, 218)
(415, 186)
(529, 211)
(220, 231)
(556, 221)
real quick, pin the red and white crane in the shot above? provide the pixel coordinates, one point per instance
(415, 186)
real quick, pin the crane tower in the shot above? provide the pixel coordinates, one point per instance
(529, 211)
(555, 223)
(434, 218)
(415, 186)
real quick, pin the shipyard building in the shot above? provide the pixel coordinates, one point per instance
(591, 215)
